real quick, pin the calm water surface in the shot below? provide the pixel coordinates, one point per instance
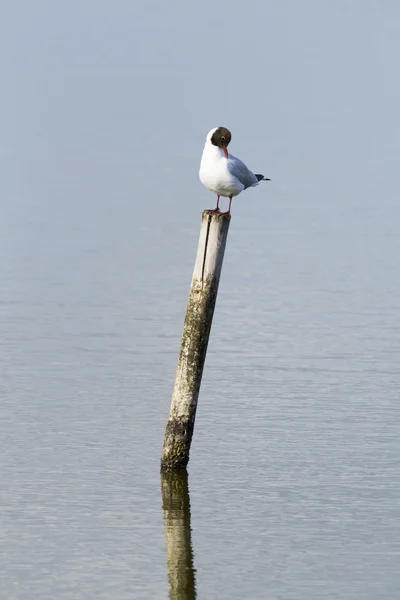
(294, 485)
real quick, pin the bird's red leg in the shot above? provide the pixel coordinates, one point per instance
(228, 212)
(217, 207)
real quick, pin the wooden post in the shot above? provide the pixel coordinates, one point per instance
(196, 331)
(176, 507)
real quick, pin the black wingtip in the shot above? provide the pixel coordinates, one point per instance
(261, 177)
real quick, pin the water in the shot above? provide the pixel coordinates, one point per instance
(293, 490)
(294, 469)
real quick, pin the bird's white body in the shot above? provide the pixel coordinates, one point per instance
(215, 174)
(221, 175)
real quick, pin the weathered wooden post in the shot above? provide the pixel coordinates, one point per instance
(176, 507)
(196, 331)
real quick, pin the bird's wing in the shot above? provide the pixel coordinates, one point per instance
(239, 170)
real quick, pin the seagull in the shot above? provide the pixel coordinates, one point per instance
(223, 173)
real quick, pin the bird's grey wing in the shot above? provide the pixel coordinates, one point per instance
(241, 172)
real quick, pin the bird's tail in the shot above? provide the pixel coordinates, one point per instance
(261, 177)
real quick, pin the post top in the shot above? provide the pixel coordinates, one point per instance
(214, 214)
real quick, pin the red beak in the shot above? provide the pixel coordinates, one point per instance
(225, 152)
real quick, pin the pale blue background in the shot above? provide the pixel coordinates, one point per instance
(295, 460)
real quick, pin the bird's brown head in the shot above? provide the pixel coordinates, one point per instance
(221, 138)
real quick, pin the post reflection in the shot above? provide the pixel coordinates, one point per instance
(176, 507)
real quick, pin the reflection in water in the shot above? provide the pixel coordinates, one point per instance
(176, 507)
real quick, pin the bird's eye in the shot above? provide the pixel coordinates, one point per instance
(223, 137)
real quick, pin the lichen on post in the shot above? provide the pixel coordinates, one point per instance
(196, 332)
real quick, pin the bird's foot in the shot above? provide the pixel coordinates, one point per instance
(225, 214)
(214, 210)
